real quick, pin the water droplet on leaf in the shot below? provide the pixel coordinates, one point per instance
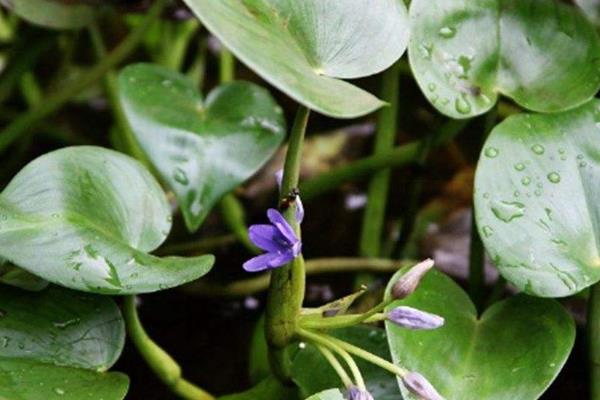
(554, 177)
(538, 149)
(507, 211)
(447, 32)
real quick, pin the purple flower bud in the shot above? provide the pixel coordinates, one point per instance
(355, 393)
(408, 283)
(411, 318)
(420, 386)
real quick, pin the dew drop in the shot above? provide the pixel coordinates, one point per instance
(554, 177)
(426, 50)
(59, 391)
(180, 176)
(432, 87)
(491, 152)
(447, 32)
(526, 181)
(4, 341)
(462, 105)
(520, 167)
(538, 149)
(166, 83)
(507, 211)
(66, 324)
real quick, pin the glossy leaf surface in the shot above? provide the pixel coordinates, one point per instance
(537, 200)
(85, 218)
(303, 47)
(18, 277)
(513, 351)
(202, 149)
(55, 343)
(57, 14)
(312, 373)
(541, 53)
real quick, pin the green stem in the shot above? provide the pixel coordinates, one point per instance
(335, 364)
(109, 81)
(593, 337)
(345, 321)
(27, 121)
(226, 66)
(286, 290)
(326, 340)
(374, 215)
(260, 283)
(159, 361)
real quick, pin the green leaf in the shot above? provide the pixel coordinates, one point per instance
(536, 200)
(56, 343)
(541, 53)
(269, 389)
(312, 373)
(202, 150)
(55, 14)
(85, 218)
(331, 394)
(302, 47)
(513, 351)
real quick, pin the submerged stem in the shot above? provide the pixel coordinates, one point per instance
(335, 364)
(286, 291)
(163, 365)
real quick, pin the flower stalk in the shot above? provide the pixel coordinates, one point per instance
(286, 291)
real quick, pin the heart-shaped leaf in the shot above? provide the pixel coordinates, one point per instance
(56, 343)
(202, 150)
(269, 389)
(331, 394)
(84, 218)
(57, 14)
(541, 53)
(301, 47)
(312, 373)
(513, 351)
(536, 193)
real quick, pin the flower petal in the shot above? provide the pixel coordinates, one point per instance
(267, 238)
(261, 263)
(282, 225)
(282, 259)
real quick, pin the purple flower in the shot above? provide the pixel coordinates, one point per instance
(411, 318)
(419, 385)
(279, 241)
(355, 393)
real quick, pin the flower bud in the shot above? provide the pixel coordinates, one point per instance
(408, 283)
(411, 318)
(420, 386)
(355, 393)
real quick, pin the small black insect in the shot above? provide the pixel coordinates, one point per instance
(290, 199)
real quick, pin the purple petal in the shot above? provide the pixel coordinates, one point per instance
(260, 263)
(299, 210)
(282, 225)
(355, 393)
(420, 386)
(411, 318)
(281, 259)
(267, 238)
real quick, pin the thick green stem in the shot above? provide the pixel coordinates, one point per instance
(226, 66)
(257, 284)
(163, 365)
(593, 332)
(286, 291)
(27, 121)
(374, 215)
